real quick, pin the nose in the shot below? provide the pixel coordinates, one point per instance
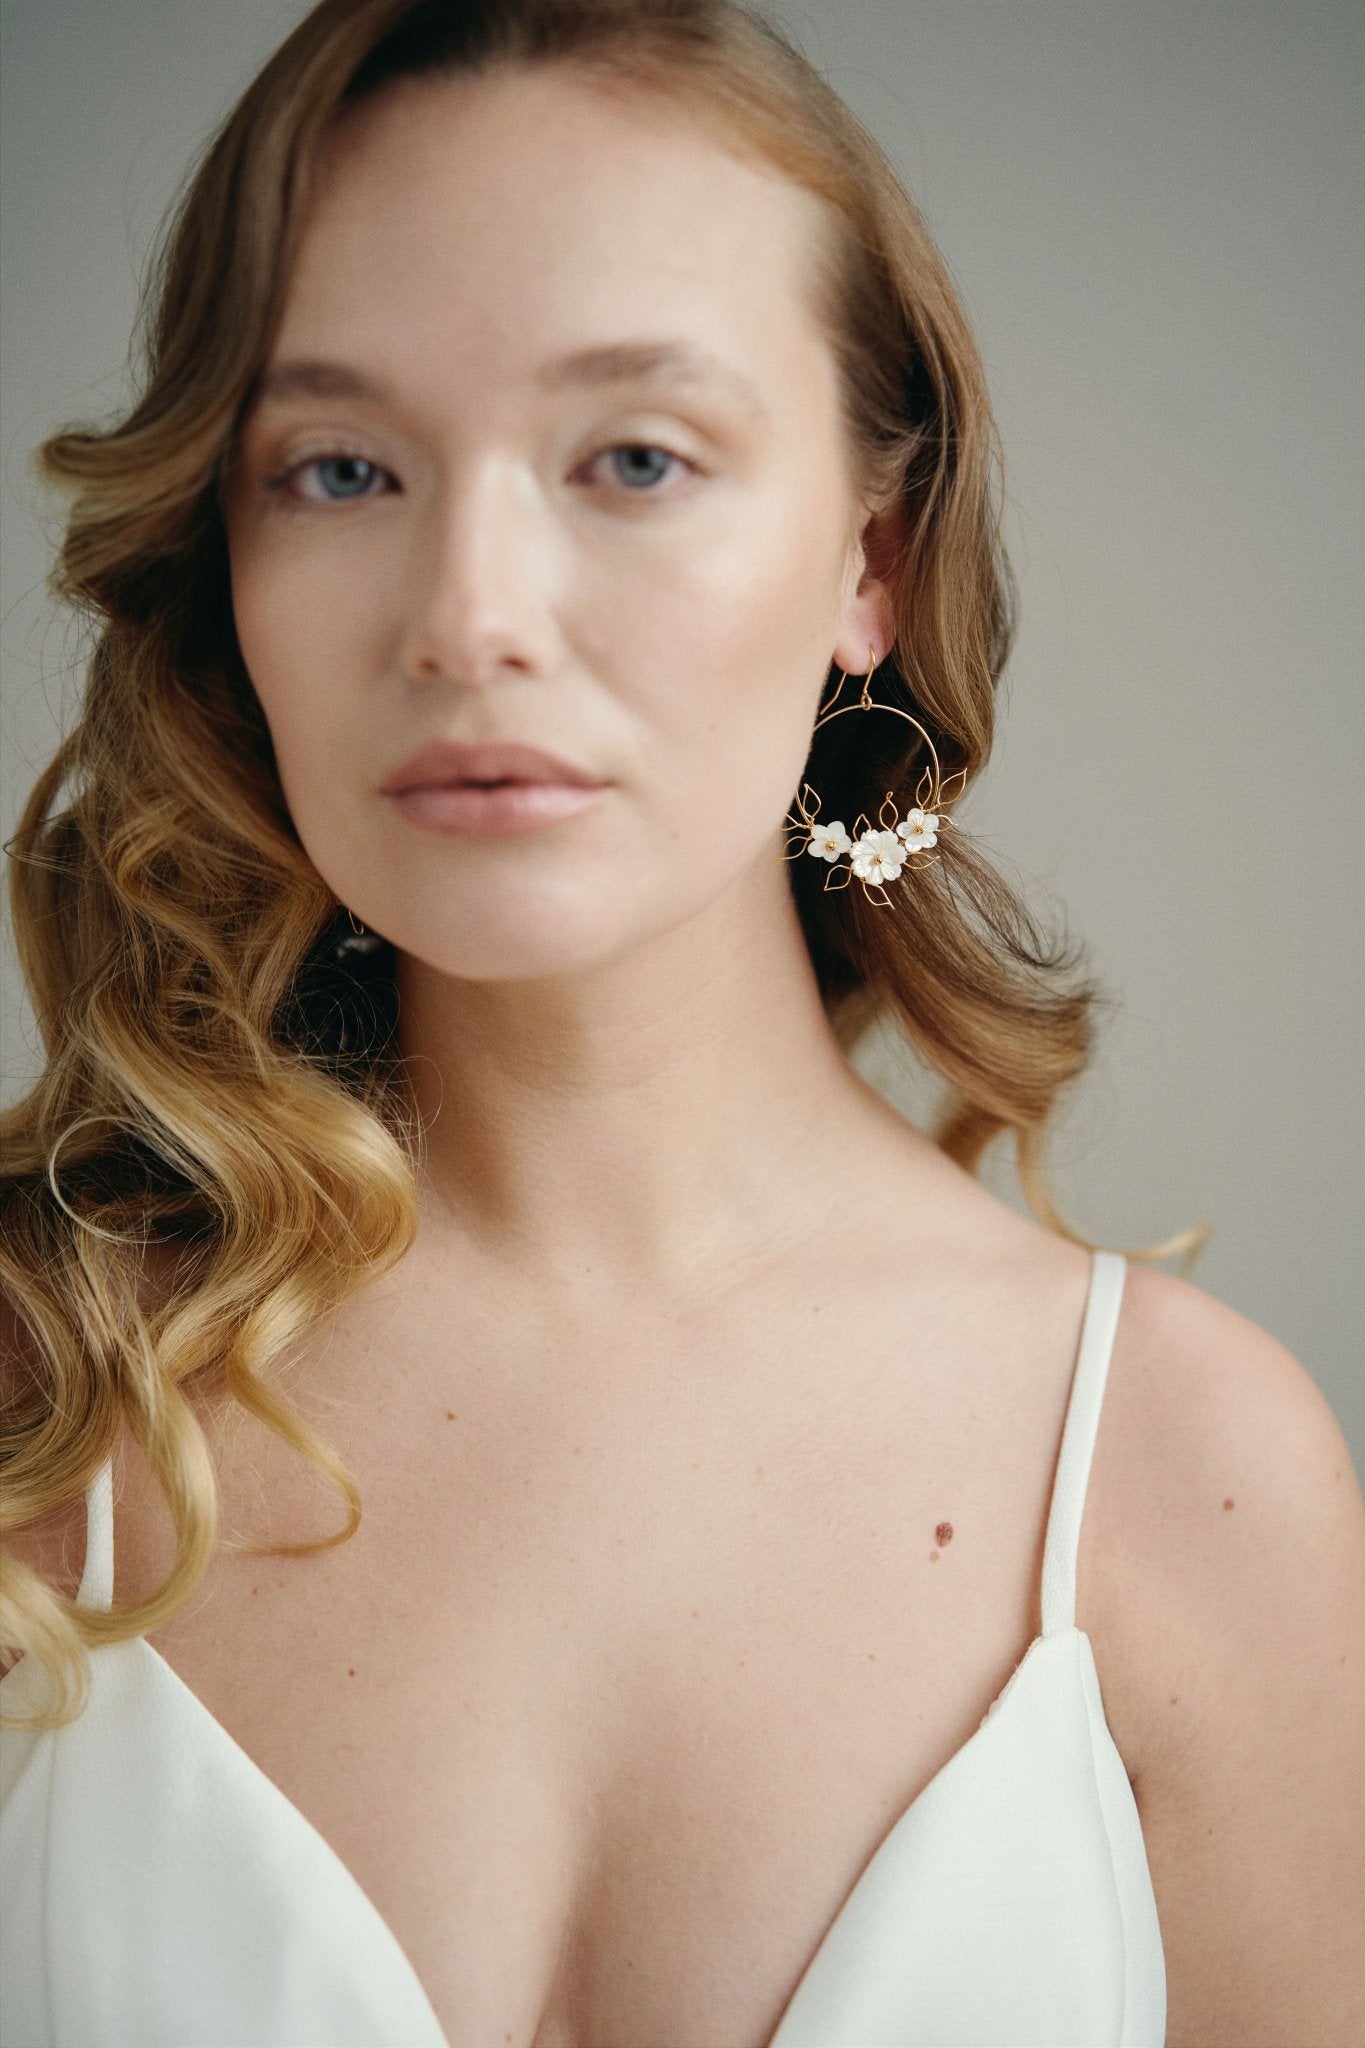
(479, 602)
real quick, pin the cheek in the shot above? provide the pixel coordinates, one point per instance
(290, 641)
(261, 613)
(744, 654)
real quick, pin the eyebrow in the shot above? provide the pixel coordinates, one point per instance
(603, 365)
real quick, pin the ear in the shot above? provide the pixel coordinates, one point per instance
(869, 619)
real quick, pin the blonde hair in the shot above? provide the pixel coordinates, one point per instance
(215, 1079)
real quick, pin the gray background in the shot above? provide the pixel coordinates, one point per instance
(1151, 213)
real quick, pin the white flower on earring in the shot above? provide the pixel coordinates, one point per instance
(877, 857)
(918, 829)
(827, 842)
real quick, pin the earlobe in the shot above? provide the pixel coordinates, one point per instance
(871, 615)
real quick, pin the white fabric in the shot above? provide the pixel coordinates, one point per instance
(157, 1890)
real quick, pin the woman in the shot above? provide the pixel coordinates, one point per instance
(724, 1655)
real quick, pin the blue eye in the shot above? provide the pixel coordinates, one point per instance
(350, 473)
(633, 472)
(346, 479)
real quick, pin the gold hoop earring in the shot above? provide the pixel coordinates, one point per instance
(882, 852)
(360, 939)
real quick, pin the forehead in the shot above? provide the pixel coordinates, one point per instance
(481, 226)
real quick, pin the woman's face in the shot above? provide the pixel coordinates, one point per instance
(575, 477)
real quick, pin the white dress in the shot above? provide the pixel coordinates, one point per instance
(157, 1890)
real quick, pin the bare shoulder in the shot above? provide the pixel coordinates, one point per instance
(1235, 1602)
(1231, 1468)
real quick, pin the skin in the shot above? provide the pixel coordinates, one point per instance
(700, 1344)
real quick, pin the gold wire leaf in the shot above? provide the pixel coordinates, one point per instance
(861, 824)
(959, 775)
(887, 824)
(838, 878)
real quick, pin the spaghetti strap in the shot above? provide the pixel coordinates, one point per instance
(1062, 1541)
(142, 1835)
(96, 1588)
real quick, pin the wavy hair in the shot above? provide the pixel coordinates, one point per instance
(218, 1079)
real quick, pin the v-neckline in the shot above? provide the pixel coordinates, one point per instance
(785, 2036)
(1103, 1298)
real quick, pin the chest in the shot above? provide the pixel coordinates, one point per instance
(610, 1699)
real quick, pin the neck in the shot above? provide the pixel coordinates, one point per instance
(669, 1114)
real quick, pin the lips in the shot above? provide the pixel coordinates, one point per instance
(449, 764)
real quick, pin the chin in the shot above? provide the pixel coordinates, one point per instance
(526, 942)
